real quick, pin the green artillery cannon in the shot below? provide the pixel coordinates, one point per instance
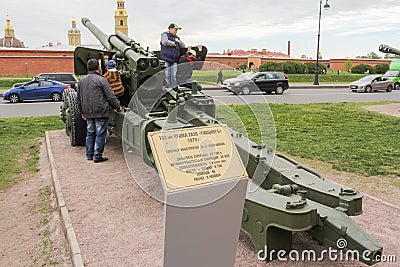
(291, 197)
(394, 69)
(388, 49)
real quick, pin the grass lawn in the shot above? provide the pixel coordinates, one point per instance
(19, 146)
(344, 134)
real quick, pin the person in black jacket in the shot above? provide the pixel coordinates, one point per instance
(96, 102)
(171, 45)
(185, 68)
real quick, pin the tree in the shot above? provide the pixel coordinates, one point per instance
(243, 66)
(363, 68)
(381, 68)
(373, 55)
(389, 56)
(348, 65)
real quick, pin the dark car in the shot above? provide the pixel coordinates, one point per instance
(267, 82)
(36, 89)
(63, 77)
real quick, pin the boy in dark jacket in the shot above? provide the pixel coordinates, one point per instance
(185, 68)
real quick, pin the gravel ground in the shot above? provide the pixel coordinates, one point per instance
(117, 224)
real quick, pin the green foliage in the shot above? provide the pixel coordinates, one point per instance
(329, 77)
(344, 134)
(371, 55)
(271, 66)
(243, 67)
(363, 68)
(348, 65)
(292, 67)
(381, 68)
(8, 83)
(19, 146)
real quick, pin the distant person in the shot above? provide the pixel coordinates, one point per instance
(220, 76)
(185, 68)
(96, 102)
(171, 45)
(115, 82)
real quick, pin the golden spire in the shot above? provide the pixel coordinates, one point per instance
(8, 30)
(74, 35)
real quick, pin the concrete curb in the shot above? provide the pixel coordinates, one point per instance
(69, 232)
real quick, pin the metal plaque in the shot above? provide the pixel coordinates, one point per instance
(193, 157)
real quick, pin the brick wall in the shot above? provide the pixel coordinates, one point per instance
(32, 62)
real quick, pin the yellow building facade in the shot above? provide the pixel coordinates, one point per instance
(121, 17)
(74, 35)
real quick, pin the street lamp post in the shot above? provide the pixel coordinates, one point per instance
(326, 6)
(26, 69)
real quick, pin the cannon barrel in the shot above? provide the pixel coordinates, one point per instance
(101, 36)
(116, 43)
(388, 49)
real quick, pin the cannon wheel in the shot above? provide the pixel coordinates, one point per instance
(75, 126)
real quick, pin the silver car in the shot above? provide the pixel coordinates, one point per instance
(372, 83)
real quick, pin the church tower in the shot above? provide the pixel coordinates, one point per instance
(9, 39)
(121, 17)
(74, 35)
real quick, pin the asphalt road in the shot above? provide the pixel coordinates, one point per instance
(292, 96)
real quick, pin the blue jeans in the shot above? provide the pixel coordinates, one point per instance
(170, 75)
(96, 137)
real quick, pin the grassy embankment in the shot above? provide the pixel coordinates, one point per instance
(342, 134)
(19, 146)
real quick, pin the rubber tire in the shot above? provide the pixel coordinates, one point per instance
(246, 90)
(14, 98)
(368, 89)
(389, 88)
(397, 86)
(77, 131)
(56, 97)
(279, 90)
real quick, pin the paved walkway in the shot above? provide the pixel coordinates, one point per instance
(117, 224)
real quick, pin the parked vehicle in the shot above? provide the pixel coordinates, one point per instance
(267, 82)
(369, 84)
(394, 73)
(36, 89)
(63, 77)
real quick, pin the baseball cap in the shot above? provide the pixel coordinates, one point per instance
(192, 52)
(173, 25)
(111, 64)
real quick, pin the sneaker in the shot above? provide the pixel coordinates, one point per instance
(100, 160)
(89, 158)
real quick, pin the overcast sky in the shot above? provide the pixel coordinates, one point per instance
(348, 28)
